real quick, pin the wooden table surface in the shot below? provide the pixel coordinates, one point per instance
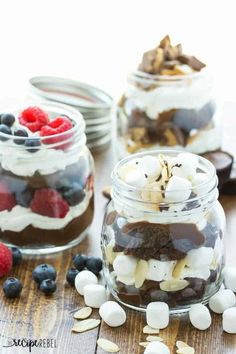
(34, 316)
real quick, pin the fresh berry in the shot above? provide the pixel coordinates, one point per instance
(56, 126)
(5, 130)
(34, 118)
(7, 200)
(79, 261)
(16, 256)
(22, 133)
(6, 260)
(74, 194)
(12, 287)
(32, 143)
(48, 202)
(94, 264)
(43, 272)
(24, 198)
(70, 276)
(7, 119)
(48, 286)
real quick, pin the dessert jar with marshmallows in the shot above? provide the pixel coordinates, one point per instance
(46, 178)
(163, 230)
(169, 103)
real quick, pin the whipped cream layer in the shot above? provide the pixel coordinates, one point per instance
(192, 94)
(19, 217)
(45, 161)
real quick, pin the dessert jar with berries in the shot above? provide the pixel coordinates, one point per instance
(169, 103)
(163, 230)
(46, 178)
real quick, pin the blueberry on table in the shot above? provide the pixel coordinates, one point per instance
(43, 272)
(16, 255)
(94, 264)
(79, 261)
(22, 133)
(7, 119)
(5, 130)
(70, 276)
(32, 143)
(74, 195)
(12, 288)
(48, 286)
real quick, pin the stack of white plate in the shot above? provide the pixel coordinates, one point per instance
(93, 103)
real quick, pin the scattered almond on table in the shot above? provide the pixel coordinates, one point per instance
(184, 348)
(149, 330)
(107, 345)
(154, 339)
(85, 325)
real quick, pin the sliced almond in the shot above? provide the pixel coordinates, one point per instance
(107, 345)
(149, 330)
(154, 339)
(144, 344)
(180, 344)
(173, 285)
(110, 255)
(83, 313)
(85, 325)
(179, 267)
(185, 350)
(140, 273)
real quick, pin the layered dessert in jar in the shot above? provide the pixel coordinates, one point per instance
(46, 178)
(169, 102)
(162, 236)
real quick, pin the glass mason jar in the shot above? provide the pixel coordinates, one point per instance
(161, 111)
(156, 251)
(53, 175)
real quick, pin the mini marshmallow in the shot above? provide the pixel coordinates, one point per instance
(229, 320)
(94, 295)
(84, 278)
(156, 348)
(125, 265)
(200, 317)
(230, 278)
(188, 166)
(157, 314)
(200, 257)
(178, 189)
(158, 270)
(112, 314)
(127, 280)
(150, 165)
(136, 178)
(202, 273)
(222, 300)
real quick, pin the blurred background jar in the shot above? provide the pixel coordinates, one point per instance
(163, 251)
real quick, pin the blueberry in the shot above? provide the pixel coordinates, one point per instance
(23, 198)
(44, 271)
(12, 287)
(48, 286)
(94, 264)
(31, 143)
(74, 195)
(16, 255)
(6, 130)
(7, 119)
(70, 276)
(79, 261)
(21, 133)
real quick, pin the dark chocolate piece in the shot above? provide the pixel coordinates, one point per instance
(192, 61)
(229, 188)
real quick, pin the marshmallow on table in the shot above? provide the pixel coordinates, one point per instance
(178, 189)
(222, 300)
(112, 314)
(158, 270)
(157, 314)
(156, 348)
(199, 316)
(125, 265)
(149, 165)
(230, 278)
(229, 320)
(188, 166)
(84, 278)
(200, 257)
(94, 295)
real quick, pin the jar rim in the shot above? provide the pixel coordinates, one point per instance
(58, 109)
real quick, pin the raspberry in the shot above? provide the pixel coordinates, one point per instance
(7, 200)
(48, 202)
(5, 260)
(56, 126)
(34, 118)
